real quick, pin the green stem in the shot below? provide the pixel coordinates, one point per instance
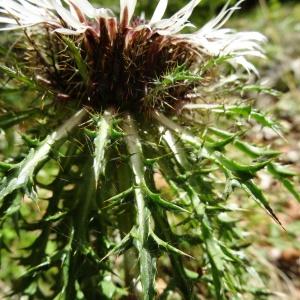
(126, 223)
(163, 229)
(85, 201)
(91, 179)
(147, 260)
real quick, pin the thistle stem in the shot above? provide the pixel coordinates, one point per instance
(97, 165)
(126, 223)
(147, 260)
(165, 231)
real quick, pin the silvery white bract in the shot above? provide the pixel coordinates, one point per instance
(74, 17)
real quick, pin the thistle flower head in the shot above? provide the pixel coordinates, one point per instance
(81, 52)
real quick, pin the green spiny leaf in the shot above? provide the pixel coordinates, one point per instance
(167, 246)
(215, 255)
(257, 194)
(35, 157)
(16, 75)
(254, 151)
(238, 169)
(157, 199)
(259, 89)
(81, 64)
(101, 141)
(121, 246)
(7, 166)
(284, 176)
(10, 119)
